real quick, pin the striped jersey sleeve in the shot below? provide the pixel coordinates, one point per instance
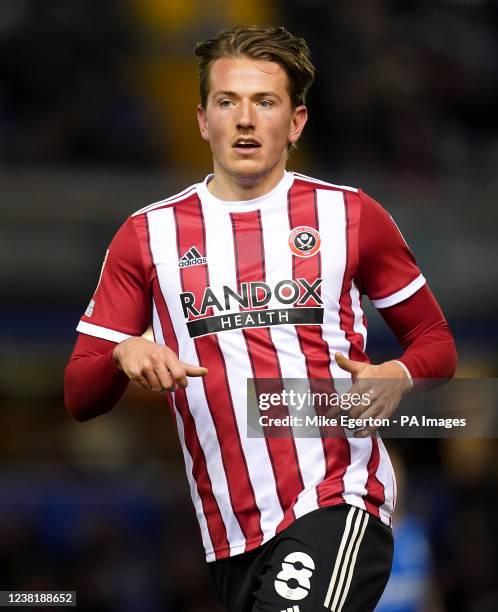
(121, 305)
(387, 270)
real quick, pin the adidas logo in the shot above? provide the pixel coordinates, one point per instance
(293, 609)
(192, 258)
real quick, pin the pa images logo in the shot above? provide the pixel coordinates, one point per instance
(304, 241)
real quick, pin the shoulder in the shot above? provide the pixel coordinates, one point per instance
(372, 211)
(173, 200)
(362, 198)
(315, 183)
(356, 200)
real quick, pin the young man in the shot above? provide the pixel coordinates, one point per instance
(258, 273)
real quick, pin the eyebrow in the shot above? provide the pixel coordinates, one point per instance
(259, 94)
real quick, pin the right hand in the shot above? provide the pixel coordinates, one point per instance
(153, 366)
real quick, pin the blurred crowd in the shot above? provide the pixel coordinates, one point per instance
(65, 95)
(408, 84)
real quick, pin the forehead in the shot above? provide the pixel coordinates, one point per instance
(245, 75)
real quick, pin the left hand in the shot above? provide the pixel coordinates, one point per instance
(385, 384)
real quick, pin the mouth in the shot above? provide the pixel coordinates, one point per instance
(246, 145)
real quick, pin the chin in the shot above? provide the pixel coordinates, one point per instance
(248, 170)
(250, 176)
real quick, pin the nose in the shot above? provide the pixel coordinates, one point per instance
(245, 118)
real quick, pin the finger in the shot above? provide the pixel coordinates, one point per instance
(365, 433)
(380, 411)
(152, 379)
(172, 367)
(140, 380)
(353, 367)
(358, 412)
(332, 412)
(370, 401)
(165, 379)
(373, 412)
(175, 370)
(352, 400)
(193, 370)
(369, 428)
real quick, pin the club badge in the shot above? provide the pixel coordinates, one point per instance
(304, 241)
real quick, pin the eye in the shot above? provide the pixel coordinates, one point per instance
(266, 103)
(225, 103)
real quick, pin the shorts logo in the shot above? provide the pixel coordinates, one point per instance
(293, 609)
(192, 258)
(304, 241)
(293, 580)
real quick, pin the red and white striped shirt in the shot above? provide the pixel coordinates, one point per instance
(263, 288)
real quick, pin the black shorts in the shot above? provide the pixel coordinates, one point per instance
(337, 558)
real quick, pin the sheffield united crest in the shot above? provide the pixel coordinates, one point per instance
(304, 241)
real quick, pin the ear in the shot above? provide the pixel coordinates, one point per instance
(298, 121)
(202, 119)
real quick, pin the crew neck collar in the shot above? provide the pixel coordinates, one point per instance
(245, 205)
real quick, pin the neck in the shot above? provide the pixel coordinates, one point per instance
(234, 188)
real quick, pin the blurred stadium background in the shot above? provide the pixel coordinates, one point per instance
(97, 119)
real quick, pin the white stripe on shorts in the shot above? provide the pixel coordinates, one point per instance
(354, 530)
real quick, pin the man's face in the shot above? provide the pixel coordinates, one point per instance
(248, 119)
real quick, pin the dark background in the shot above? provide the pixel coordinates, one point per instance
(97, 119)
